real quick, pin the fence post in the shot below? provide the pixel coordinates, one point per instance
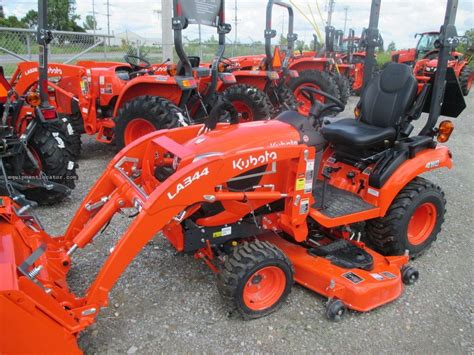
(28, 45)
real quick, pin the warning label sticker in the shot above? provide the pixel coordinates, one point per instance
(222, 233)
(300, 184)
(355, 279)
(388, 275)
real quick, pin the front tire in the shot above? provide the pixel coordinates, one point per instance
(256, 279)
(412, 222)
(344, 86)
(143, 115)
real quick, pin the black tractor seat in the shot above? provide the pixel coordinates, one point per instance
(384, 105)
(349, 131)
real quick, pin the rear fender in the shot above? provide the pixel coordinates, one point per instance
(426, 161)
(308, 63)
(256, 78)
(170, 88)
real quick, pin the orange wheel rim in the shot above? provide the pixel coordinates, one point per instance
(136, 128)
(35, 171)
(244, 110)
(264, 288)
(304, 105)
(422, 223)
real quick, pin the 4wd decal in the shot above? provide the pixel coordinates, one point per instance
(252, 161)
(432, 164)
(188, 180)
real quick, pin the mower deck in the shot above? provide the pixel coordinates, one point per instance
(360, 290)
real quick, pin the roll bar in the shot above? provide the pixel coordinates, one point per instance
(271, 33)
(183, 9)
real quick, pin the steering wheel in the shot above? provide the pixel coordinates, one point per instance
(137, 63)
(317, 107)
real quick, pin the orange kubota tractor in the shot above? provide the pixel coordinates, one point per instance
(252, 202)
(424, 59)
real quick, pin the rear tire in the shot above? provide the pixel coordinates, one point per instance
(465, 80)
(143, 115)
(55, 163)
(282, 99)
(313, 78)
(344, 86)
(256, 279)
(412, 222)
(251, 103)
(71, 137)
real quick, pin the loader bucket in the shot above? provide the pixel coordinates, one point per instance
(31, 320)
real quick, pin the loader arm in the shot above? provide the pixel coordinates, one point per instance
(129, 182)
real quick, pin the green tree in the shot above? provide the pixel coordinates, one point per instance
(391, 47)
(300, 45)
(90, 23)
(61, 16)
(11, 21)
(30, 20)
(283, 40)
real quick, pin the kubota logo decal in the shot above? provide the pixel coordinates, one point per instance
(283, 143)
(188, 180)
(51, 70)
(251, 161)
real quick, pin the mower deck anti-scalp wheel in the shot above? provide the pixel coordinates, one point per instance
(255, 279)
(409, 275)
(335, 310)
(465, 80)
(143, 115)
(316, 79)
(412, 222)
(251, 103)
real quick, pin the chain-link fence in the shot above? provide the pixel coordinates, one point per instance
(17, 44)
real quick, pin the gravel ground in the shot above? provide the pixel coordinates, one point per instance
(169, 303)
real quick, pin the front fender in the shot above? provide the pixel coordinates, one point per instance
(429, 160)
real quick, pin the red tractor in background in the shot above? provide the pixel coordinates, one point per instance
(349, 51)
(119, 102)
(424, 59)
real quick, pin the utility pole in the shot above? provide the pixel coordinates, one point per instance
(345, 18)
(166, 30)
(94, 22)
(235, 22)
(330, 11)
(108, 21)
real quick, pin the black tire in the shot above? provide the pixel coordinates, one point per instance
(55, 162)
(465, 80)
(200, 113)
(71, 137)
(319, 78)
(335, 310)
(243, 264)
(159, 112)
(77, 123)
(410, 275)
(256, 100)
(389, 234)
(344, 86)
(282, 99)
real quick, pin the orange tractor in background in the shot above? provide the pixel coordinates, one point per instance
(119, 102)
(424, 60)
(254, 204)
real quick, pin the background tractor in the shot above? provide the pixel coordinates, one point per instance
(424, 59)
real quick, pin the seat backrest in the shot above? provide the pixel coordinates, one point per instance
(389, 96)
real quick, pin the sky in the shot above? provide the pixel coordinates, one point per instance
(399, 19)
